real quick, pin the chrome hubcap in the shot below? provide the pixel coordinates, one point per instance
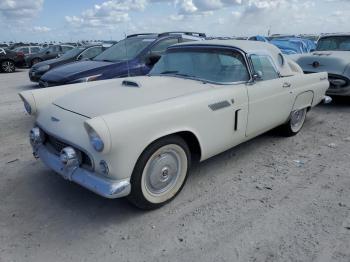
(8, 66)
(162, 171)
(297, 119)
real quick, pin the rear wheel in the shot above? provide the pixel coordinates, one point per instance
(35, 61)
(295, 123)
(8, 66)
(160, 173)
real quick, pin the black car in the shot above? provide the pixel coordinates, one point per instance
(76, 54)
(133, 56)
(50, 52)
(8, 61)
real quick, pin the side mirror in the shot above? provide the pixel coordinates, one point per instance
(312, 50)
(47, 52)
(79, 58)
(151, 59)
(257, 76)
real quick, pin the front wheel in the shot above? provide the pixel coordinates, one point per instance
(8, 66)
(295, 123)
(160, 173)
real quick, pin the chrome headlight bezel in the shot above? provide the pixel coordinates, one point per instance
(95, 140)
(36, 136)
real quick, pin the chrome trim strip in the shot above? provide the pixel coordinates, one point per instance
(104, 187)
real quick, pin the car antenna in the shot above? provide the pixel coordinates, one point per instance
(126, 53)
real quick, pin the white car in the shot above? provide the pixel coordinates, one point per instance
(137, 136)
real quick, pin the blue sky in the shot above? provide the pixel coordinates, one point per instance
(53, 20)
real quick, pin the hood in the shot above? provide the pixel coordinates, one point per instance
(112, 96)
(73, 71)
(53, 62)
(333, 62)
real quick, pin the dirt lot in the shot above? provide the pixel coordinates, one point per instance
(271, 199)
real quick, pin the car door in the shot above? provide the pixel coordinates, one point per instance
(158, 49)
(270, 96)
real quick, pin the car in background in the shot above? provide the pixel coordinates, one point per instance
(24, 51)
(76, 54)
(332, 54)
(47, 53)
(135, 55)
(8, 61)
(294, 45)
(28, 50)
(4, 46)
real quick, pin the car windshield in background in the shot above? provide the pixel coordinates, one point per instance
(72, 53)
(334, 43)
(126, 49)
(213, 65)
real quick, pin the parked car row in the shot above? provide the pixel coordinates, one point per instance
(135, 55)
(138, 135)
(9, 60)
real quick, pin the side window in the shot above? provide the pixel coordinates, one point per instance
(264, 67)
(35, 50)
(25, 50)
(163, 45)
(54, 49)
(91, 52)
(66, 48)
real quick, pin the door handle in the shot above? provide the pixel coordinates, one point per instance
(287, 85)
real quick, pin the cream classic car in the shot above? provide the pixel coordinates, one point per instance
(137, 136)
(332, 55)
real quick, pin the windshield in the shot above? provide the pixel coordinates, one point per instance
(213, 65)
(126, 49)
(72, 53)
(334, 43)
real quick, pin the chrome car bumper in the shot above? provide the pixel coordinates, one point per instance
(105, 187)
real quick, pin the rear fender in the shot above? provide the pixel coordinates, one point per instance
(303, 100)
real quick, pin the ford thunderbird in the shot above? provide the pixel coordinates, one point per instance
(332, 55)
(137, 136)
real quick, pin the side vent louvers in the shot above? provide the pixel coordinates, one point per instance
(219, 105)
(130, 83)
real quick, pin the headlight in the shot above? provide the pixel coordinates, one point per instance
(36, 136)
(86, 79)
(94, 138)
(27, 105)
(43, 68)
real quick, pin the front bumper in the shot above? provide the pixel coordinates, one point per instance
(35, 76)
(105, 187)
(344, 91)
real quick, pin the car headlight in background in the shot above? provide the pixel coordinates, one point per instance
(94, 138)
(86, 79)
(43, 68)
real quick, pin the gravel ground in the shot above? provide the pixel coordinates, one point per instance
(270, 199)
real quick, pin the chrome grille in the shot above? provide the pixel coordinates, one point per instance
(57, 145)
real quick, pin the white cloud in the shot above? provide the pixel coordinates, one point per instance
(41, 29)
(20, 9)
(107, 14)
